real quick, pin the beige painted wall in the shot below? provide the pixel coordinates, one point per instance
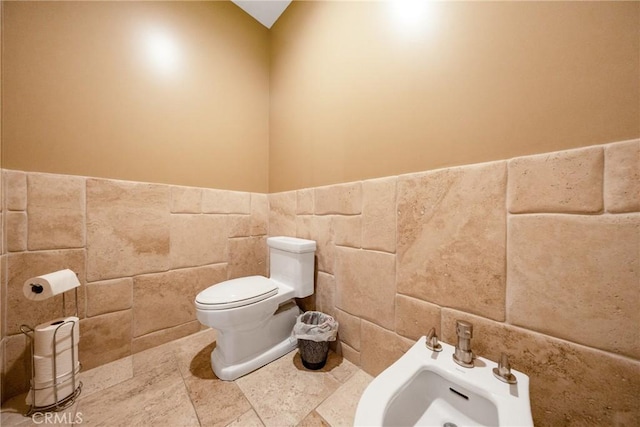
(167, 92)
(356, 96)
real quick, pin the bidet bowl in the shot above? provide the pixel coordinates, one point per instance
(427, 388)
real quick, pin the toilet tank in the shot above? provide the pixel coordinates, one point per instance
(291, 262)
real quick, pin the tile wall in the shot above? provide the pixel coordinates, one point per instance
(141, 251)
(541, 253)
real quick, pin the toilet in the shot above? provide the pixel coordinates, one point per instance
(254, 315)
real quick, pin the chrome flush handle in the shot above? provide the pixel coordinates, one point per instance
(503, 371)
(432, 341)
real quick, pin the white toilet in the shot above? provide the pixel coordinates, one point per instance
(254, 315)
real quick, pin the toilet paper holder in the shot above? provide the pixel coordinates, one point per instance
(59, 402)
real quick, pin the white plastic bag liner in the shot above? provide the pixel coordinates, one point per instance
(315, 326)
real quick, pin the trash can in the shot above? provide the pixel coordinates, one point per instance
(314, 330)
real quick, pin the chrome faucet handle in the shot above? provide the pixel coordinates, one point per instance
(432, 341)
(503, 371)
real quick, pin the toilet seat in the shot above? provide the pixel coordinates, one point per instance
(236, 293)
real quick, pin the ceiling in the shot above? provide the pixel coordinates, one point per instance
(264, 11)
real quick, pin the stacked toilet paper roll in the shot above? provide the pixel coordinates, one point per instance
(55, 347)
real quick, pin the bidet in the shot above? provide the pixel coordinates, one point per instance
(428, 388)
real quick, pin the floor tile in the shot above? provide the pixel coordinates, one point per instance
(14, 410)
(248, 419)
(105, 376)
(155, 397)
(340, 408)
(283, 393)
(313, 420)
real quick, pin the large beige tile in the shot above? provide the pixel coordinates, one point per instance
(348, 329)
(304, 201)
(365, 285)
(56, 211)
(17, 366)
(127, 228)
(186, 200)
(347, 230)
(349, 353)
(570, 385)
(161, 355)
(198, 240)
(379, 214)
(16, 190)
(105, 338)
(284, 392)
(193, 354)
(156, 338)
(379, 348)
(451, 237)
(104, 376)
(239, 225)
(344, 199)
(319, 229)
(259, 214)
(248, 419)
(247, 257)
(155, 397)
(15, 231)
(14, 410)
(414, 317)
(282, 214)
(24, 265)
(216, 402)
(565, 181)
(340, 408)
(325, 292)
(622, 177)
(109, 295)
(226, 202)
(578, 278)
(164, 300)
(313, 419)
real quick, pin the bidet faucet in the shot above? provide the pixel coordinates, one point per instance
(463, 355)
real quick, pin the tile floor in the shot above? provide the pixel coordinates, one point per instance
(173, 385)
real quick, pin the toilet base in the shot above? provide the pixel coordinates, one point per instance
(232, 372)
(239, 352)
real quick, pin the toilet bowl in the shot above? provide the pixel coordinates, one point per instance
(254, 315)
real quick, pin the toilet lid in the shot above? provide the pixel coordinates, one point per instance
(237, 292)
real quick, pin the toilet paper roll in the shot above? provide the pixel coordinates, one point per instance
(44, 335)
(45, 396)
(48, 285)
(43, 367)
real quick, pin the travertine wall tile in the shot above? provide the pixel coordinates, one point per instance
(239, 225)
(349, 353)
(56, 211)
(577, 277)
(566, 181)
(164, 300)
(16, 231)
(570, 385)
(375, 357)
(622, 177)
(451, 237)
(16, 190)
(414, 317)
(247, 257)
(344, 199)
(109, 296)
(17, 365)
(348, 328)
(282, 214)
(325, 293)
(186, 199)
(304, 204)
(225, 201)
(259, 214)
(163, 336)
(348, 230)
(198, 239)
(319, 229)
(105, 338)
(379, 214)
(365, 285)
(24, 265)
(127, 228)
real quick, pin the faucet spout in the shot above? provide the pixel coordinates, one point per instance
(463, 355)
